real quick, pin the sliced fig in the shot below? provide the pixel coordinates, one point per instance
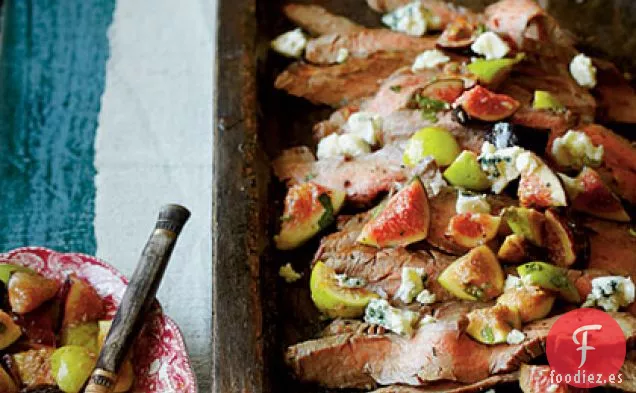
(538, 186)
(9, 330)
(589, 194)
(492, 72)
(7, 384)
(474, 276)
(536, 379)
(458, 34)
(532, 303)
(39, 326)
(82, 304)
(525, 222)
(27, 291)
(473, 229)
(482, 104)
(493, 324)
(447, 90)
(514, 249)
(309, 208)
(559, 240)
(34, 367)
(404, 220)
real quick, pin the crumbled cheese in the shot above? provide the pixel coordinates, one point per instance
(435, 184)
(288, 273)
(379, 312)
(413, 19)
(427, 320)
(490, 45)
(499, 165)
(512, 282)
(411, 284)
(350, 282)
(583, 71)
(335, 145)
(426, 297)
(342, 55)
(575, 150)
(471, 203)
(290, 44)
(611, 293)
(515, 337)
(366, 125)
(429, 59)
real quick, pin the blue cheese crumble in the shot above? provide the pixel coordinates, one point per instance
(412, 19)
(412, 284)
(611, 293)
(290, 44)
(380, 312)
(575, 150)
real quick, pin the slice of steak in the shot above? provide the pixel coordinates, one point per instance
(327, 49)
(528, 26)
(335, 122)
(318, 21)
(438, 351)
(453, 387)
(616, 97)
(612, 247)
(363, 178)
(445, 11)
(340, 84)
(397, 90)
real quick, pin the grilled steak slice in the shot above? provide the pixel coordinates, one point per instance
(528, 26)
(382, 268)
(437, 352)
(616, 97)
(326, 49)
(340, 84)
(387, 100)
(629, 374)
(318, 21)
(363, 178)
(446, 12)
(612, 247)
(453, 387)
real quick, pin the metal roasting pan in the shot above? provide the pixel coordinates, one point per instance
(255, 314)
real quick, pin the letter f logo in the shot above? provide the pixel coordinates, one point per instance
(584, 347)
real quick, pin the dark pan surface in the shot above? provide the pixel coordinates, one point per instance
(256, 314)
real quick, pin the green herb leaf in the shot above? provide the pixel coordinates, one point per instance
(310, 176)
(396, 88)
(487, 334)
(481, 29)
(327, 217)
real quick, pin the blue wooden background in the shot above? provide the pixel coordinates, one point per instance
(52, 68)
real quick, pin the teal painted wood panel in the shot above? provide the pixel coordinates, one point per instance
(52, 69)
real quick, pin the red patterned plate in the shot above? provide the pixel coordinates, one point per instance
(160, 356)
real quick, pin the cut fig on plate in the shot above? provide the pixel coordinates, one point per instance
(7, 384)
(550, 277)
(309, 208)
(474, 276)
(447, 90)
(404, 220)
(494, 71)
(514, 249)
(436, 142)
(34, 367)
(9, 331)
(473, 229)
(538, 186)
(82, 303)
(465, 172)
(525, 222)
(532, 303)
(482, 104)
(7, 269)
(559, 240)
(493, 324)
(39, 326)
(589, 194)
(334, 300)
(537, 379)
(458, 34)
(27, 291)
